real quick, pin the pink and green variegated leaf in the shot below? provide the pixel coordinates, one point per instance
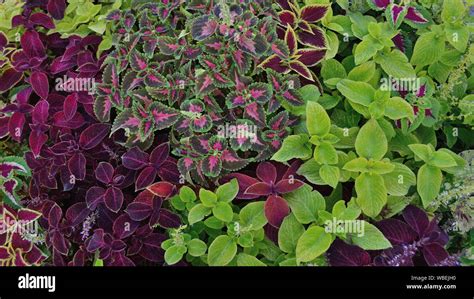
(241, 135)
(301, 69)
(317, 39)
(290, 40)
(7, 192)
(280, 48)
(379, 4)
(9, 165)
(204, 83)
(128, 20)
(220, 80)
(256, 113)
(185, 165)
(138, 61)
(130, 81)
(201, 124)
(102, 107)
(274, 62)
(192, 52)
(234, 100)
(231, 161)
(217, 143)
(149, 47)
(125, 119)
(168, 45)
(242, 61)
(396, 14)
(163, 116)
(260, 92)
(279, 121)
(287, 18)
(203, 27)
(211, 166)
(200, 144)
(155, 80)
(415, 16)
(146, 129)
(293, 96)
(194, 105)
(313, 13)
(310, 57)
(255, 45)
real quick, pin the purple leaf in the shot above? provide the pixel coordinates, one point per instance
(168, 219)
(70, 106)
(434, 254)
(160, 154)
(42, 19)
(96, 241)
(417, 219)
(39, 114)
(124, 226)
(113, 199)
(266, 172)
(104, 172)
(93, 135)
(36, 141)
(135, 158)
(94, 196)
(15, 126)
(77, 213)
(396, 231)
(32, 45)
(56, 8)
(259, 189)
(314, 12)
(288, 185)
(9, 78)
(138, 211)
(145, 178)
(343, 254)
(77, 166)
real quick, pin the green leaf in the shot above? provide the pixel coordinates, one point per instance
(325, 153)
(363, 72)
(187, 194)
(371, 239)
(357, 165)
(358, 92)
(371, 142)
(422, 151)
(174, 254)
(197, 213)
(428, 48)
(453, 11)
(457, 36)
(305, 203)
(208, 198)
(253, 215)
(221, 251)
(371, 193)
(317, 119)
(441, 160)
(310, 170)
(223, 211)
(398, 108)
(196, 247)
(399, 181)
(247, 260)
(294, 146)
(380, 167)
(395, 64)
(429, 180)
(365, 50)
(289, 233)
(330, 174)
(312, 243)
(332, 69)
(228, 191)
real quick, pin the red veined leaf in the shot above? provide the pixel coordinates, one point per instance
(211, 166)
(256, 113)
(138, 61)
(164, 116)
(185, 165)
(231, 161)
(260, 92)
(168, 45)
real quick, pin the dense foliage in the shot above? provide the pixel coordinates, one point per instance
(240, 133)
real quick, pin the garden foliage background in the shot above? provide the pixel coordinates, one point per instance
(239, 133)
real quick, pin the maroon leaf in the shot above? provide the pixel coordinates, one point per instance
(9, 78)
(382, 4)
(94, 196)
(70, 106)
(342, 254)
(310, 57)
(138, 211)
(42, 19)
(77, 213)
(287, 18)
(124, 226)
(56, 8)
(93, 135)
(15, 125)
(276, 209)
(39, 114)
(417, 219)
(396, 231)
(113, 199)
(77, 166)
(301, 69)
(32, 45)
(36, 141)
(315, 39)
(290, 40)
(288, 185)
(54, 216)
(145, 178)
(266, 172)
(434, 254)
(314, 12)
(135, 158)
(160, 154)
(168, 219)
(259, 189)
(96, 241)
(40, 84)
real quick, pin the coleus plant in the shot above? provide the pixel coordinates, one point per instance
(13, 173)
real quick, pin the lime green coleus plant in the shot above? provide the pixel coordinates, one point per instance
(235, 236)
